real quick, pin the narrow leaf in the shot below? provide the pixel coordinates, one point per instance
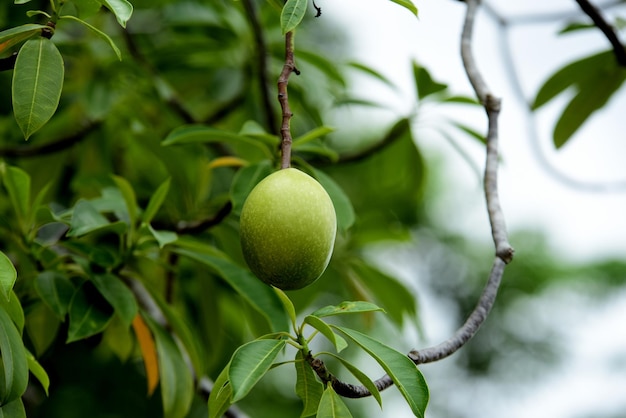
(37, 84)
(148, 352)
(122, 10)
(130, 199)
(227, 161)
(13, 308)
(8, 276)
(257, 294)
(308, 389)
(406, 376)
(332, 406)
(15, 35)
(249, 363)
(176, 379)
(156, 200)
(347, 307)
(315, 133)
(408, 4)
(118, 295)
(56, 290)
(89, 313)
(292, 14)
(326, 331)
(98, 32)
(219, 399)
(17, 183)
(38, 371)
(14, 366)
(287, 304)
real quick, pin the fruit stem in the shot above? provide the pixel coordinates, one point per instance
(283, 98)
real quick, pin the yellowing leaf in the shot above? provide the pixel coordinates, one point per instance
(148, 351)
(227, 162)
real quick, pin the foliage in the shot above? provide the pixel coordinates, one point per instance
(121, 273)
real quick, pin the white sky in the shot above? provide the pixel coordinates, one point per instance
(581, 225)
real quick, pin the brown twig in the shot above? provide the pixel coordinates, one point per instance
(504, 252)
(285, 129)
(261, 63)
(606, 28)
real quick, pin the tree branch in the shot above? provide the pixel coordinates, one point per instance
(51, 147)
(262, 67)
(606, 28)
(504, 252)
(283, 98)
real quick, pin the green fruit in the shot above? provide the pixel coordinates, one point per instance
(288, 227)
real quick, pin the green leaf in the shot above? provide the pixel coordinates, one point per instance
(260, 296)
(250, 363)
(8, 276)
(163, 237)
(292, 14)
(17, 183)
(122, 10)
(424, 83)
(341, 202)
(156, 200)
(347, 307)
(362, 377)
(14, 409)
(42, 326)
(15, 35)
(129, 196)
(245, 180)
(13, 365)
(287, 304)
(332, 406)
(176, 380)
(86, 219)
(308, 389)
(405, 375)
(37, 84)
(89, 313)
(575, 73)
(325, 65)
(118, 295)
(56, 290)
(38, 371)
(13, 307)
(98, 32)
(190, 134)
(315, 133)
(326, 331)
(87, 8)
(591, 97)
(408, 4)
(219, 399)
(372, 72)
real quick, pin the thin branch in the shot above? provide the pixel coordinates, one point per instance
(51, 147)
(504, 252)
(261, 63)
(285, 129)
(606, 28)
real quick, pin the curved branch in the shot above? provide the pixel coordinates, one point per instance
(504, 252)
(606, 28)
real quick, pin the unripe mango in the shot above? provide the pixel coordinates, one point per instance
(287, 230)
